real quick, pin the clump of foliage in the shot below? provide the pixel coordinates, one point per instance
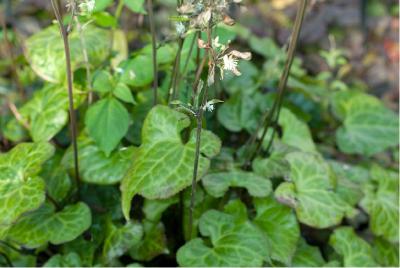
(213, 147)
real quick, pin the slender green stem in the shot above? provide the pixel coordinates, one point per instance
(199, 120)
(272, 116)
(72, 115)
(154, 49)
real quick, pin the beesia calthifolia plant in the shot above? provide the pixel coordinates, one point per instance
(135, 140)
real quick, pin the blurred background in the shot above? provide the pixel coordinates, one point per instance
(364, 31)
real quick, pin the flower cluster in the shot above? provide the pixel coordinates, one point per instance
(85, 6)
(223, 58)
(205, 13)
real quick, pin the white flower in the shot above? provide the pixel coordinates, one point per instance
(87, 6)
(230, 64)
(180, 28)
(216, 42)
(209, 107)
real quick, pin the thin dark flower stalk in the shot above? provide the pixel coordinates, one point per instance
(64, 34)
(199, 121)
(272, 116)
(154, 49)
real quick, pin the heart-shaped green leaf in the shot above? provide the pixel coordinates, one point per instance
(385, 253)
(368, 126)
(45, 225)
(45, 50)
(70, 259)
(307, 256)
(349, 181)
(21, 189)
(163, 165)
(272, 167)
(107, 122)
(153, 243)
(123, 93)
(216, 184)
(233, 243)
(103, 82)
(355, 251)
(295, 132)
(58, 182)
(46, 113)
(119, 240)
(311, 191)
(95, 166)
(138, 71)
(238, 112)
(280, 226)
(382, 203)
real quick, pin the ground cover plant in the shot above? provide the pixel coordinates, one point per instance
(192, 140)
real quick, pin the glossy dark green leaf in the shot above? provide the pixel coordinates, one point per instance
(122, 92)
(103, 82)
(238, 113)
(107, 122)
